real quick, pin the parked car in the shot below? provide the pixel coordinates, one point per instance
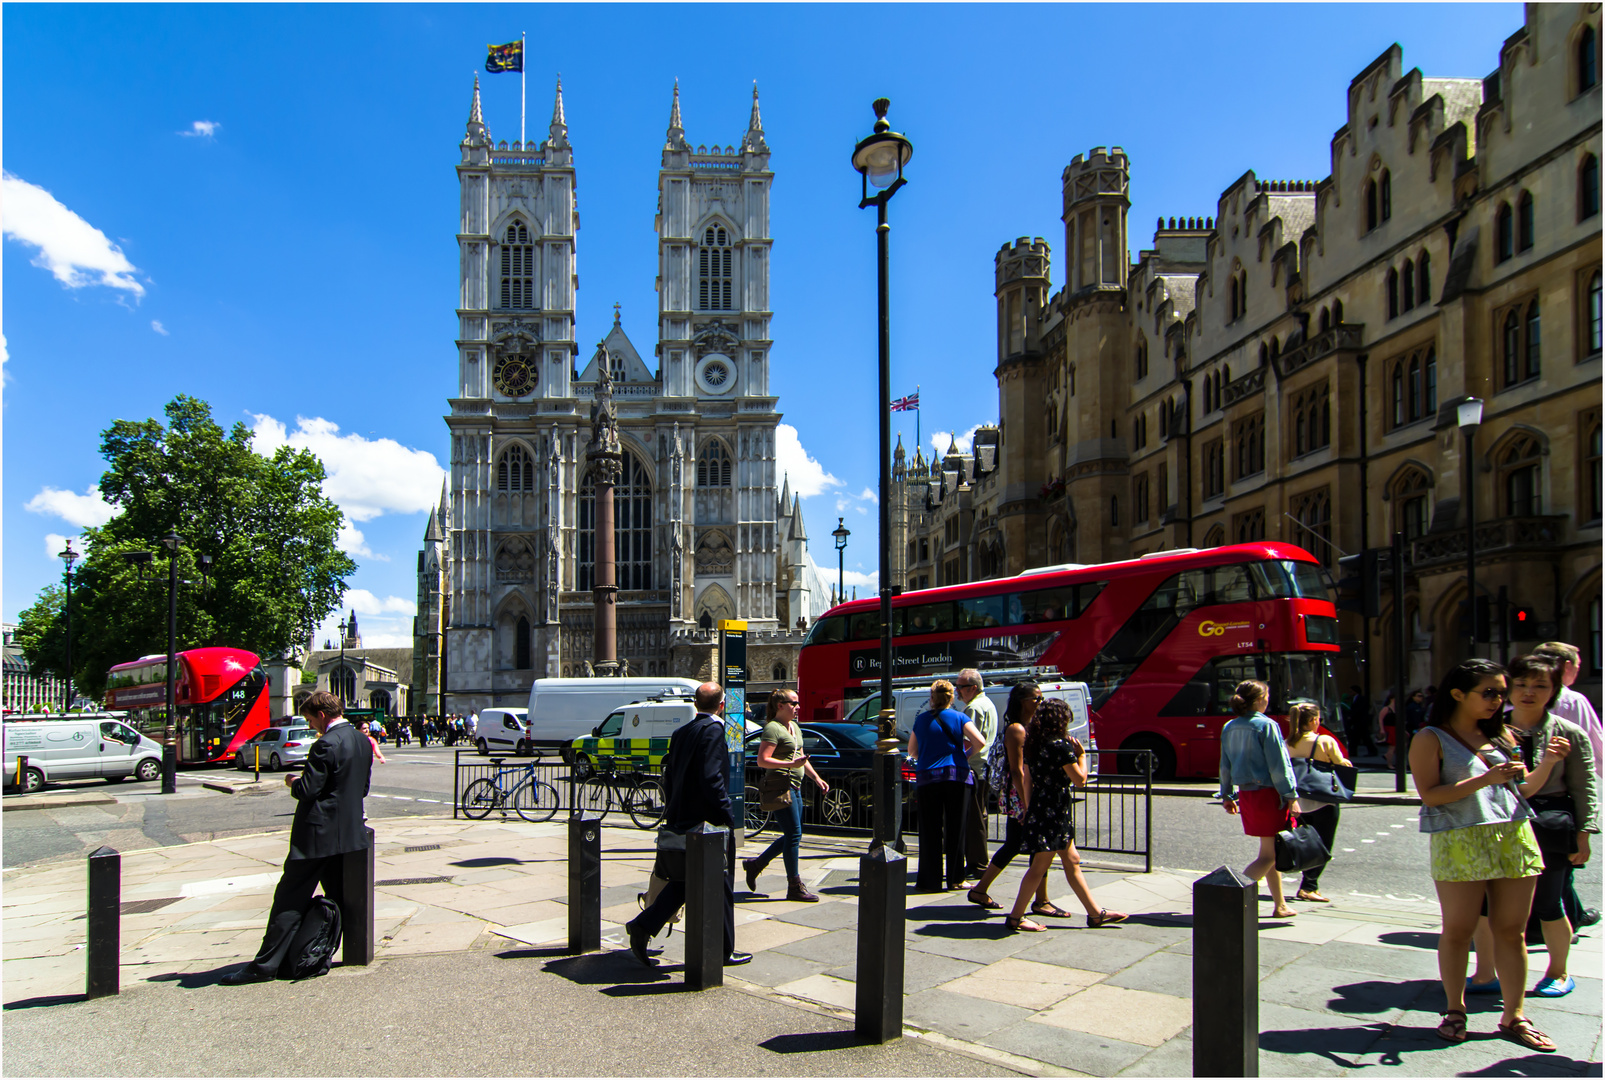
(843, 755)
(279, 747)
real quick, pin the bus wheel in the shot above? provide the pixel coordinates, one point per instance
(148, 770)
(1163, 761)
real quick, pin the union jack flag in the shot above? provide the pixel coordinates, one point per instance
(905, 404)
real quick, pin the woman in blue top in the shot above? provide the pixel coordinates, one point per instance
(1253, 757)
(940, 745)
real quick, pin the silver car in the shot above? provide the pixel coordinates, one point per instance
(278, 747)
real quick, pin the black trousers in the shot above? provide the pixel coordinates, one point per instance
(295, 890)
(1325, 823)
(941, 805)
(975, 854)
(657, 914)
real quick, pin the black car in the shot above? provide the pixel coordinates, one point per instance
(844, 757)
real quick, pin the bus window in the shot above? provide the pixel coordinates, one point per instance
(929, 618)
(981, 612)
(1311, 582)
(1086, 593)
(827, 631)
(865, 626)
(1048, 605)
(1292, 677)
(1234, 585)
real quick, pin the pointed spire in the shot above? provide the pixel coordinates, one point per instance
(476, 113)
(432, 534)
(445, 503)
(676, 136)
(785, 493)
(754, 141)
(559, 127)
(898, 455)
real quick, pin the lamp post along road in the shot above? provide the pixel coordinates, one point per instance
(841, 533)
(69, 556)
(340, 672)
(170, 752)
(1469, 415)
(878, 1012)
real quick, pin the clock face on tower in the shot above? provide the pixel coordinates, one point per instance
(514, 376)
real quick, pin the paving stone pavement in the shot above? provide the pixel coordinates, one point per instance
(1343, 990)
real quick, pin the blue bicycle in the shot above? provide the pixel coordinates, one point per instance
(532, 798)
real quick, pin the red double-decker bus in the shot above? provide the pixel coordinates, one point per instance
(1162, 641)
(220, 696)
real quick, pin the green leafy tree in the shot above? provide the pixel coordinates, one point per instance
(264, 521)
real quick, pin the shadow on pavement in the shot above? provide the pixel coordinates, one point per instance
(646, 989)
(493, 860)
(810, 1042)
(1380, 995)
(1415, 939)
(980, 929)
(533, 954)
(607, 968)
(44, 1002)
(1339, 1045)
(1537, 1065)
(1162, 918)
(194, 980)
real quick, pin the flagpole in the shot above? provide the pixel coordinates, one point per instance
(916, 416)
(523, 76)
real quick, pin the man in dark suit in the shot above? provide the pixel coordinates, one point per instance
(328, 823)
(696, 790)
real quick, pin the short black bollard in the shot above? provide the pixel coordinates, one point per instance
(356, 915)
(169, 769)
(584, 885)
(105, 923)
(1225, 975)
(22, 772)
(704, 906)
(882, 910)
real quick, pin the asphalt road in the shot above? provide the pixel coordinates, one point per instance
(1381, 858)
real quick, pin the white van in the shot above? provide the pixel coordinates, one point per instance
(504, 731)
(77, 749)
(913, 700)
(562, 710)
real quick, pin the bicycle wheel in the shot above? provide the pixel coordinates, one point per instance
(480, 798)
(645, 803)
(757, 818)
(593, 798)
(535, 801)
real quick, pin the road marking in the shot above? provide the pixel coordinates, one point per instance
(1395, 826)
(403, 798)
(1348, 849)
(1386, 834)
(430, 800)
(1367, 841)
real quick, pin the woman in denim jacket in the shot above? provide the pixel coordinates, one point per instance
(1253, 757)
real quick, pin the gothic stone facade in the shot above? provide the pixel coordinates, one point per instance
(1288, 368)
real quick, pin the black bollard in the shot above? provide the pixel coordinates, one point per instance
(356, 914)
(105, 923)
(704, 906)
(22, 772)
(169, 769)
(882, 909)
(584, 884)
(1225, 975)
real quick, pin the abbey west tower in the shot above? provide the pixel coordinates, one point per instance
(696, 506)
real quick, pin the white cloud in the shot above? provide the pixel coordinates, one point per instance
(55, 544)
(156, 325)
(866, 584)
(80, 510)
(76, 252)
(806, 476)
(862, 510)
(351, 541)
(869, 496)
(364, 602)
(201, 129)
(367, 477)
(941, 440)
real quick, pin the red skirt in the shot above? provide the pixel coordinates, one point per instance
(1262, 812)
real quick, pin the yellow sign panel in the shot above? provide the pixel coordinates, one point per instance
(734, 626)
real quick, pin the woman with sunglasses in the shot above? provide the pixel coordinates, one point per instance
(781, 747)
(1014, 794)
(1481, 844)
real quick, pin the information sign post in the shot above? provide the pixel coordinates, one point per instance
(733, 676)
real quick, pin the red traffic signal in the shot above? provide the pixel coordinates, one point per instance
(1523, 624)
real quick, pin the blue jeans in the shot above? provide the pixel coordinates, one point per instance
(789, 842)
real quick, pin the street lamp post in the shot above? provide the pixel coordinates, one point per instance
(841, 533)
(170, 751)
(340, 672)
(878, 1013)
(69, 556)
(1469, 414)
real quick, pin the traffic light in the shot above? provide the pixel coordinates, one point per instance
(1359, 586)
(1523, 625)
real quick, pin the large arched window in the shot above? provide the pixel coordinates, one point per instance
(1414, 387)
(521, 659)
(1231, 303)
(1593, 313)
(1430, 379)
(518, 267)
(1411, 503)
(1510, 343)
(1518, 476)
(1372, 218)
(1533, 328)
(1393, 293)
(515, 471)
(1407, 286)
(1587, 187)
(1337, 312)
(1587, 59)
(1313, 512)
(632, 529)
(1326, 320)
(1524, 222)
(1396, 393)
(1423, 280)
(1504, 233)
(713, 465)
(715, 270)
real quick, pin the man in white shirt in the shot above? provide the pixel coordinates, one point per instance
(1574, 706)
(980, 710)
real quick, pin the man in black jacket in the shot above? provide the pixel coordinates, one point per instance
(696, 790)
(328, 823)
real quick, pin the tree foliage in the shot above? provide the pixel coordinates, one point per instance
(264, 521)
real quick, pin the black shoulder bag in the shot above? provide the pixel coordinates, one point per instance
(1555, 823)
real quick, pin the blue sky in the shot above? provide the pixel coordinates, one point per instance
(256, 205)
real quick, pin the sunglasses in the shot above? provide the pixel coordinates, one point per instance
(1491, 694)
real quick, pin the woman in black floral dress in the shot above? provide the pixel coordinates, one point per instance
(1055, 762)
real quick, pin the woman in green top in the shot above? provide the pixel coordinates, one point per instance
(781, 748)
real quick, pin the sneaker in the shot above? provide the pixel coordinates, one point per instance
(1489, 987)
(1590, 917)
(1548, 987)
(736, 959)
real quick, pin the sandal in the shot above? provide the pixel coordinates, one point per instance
(1018, 923)
(1311, 897)
(1050, 910)
(1523, 1032)
(981, 899)
(1105, 917)
(1451, 1029)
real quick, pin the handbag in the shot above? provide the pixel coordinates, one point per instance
(1300, 848)
(1555, 824)
(654, 886)
(670, 862)
(774, 790)
(1324, 781)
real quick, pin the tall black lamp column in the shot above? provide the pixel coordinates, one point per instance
(69, 556)
(1469, 414)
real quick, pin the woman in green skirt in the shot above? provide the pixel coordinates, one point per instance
(1482, 845)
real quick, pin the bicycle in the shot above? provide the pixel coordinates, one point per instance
(532, 798)
(639, 795)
